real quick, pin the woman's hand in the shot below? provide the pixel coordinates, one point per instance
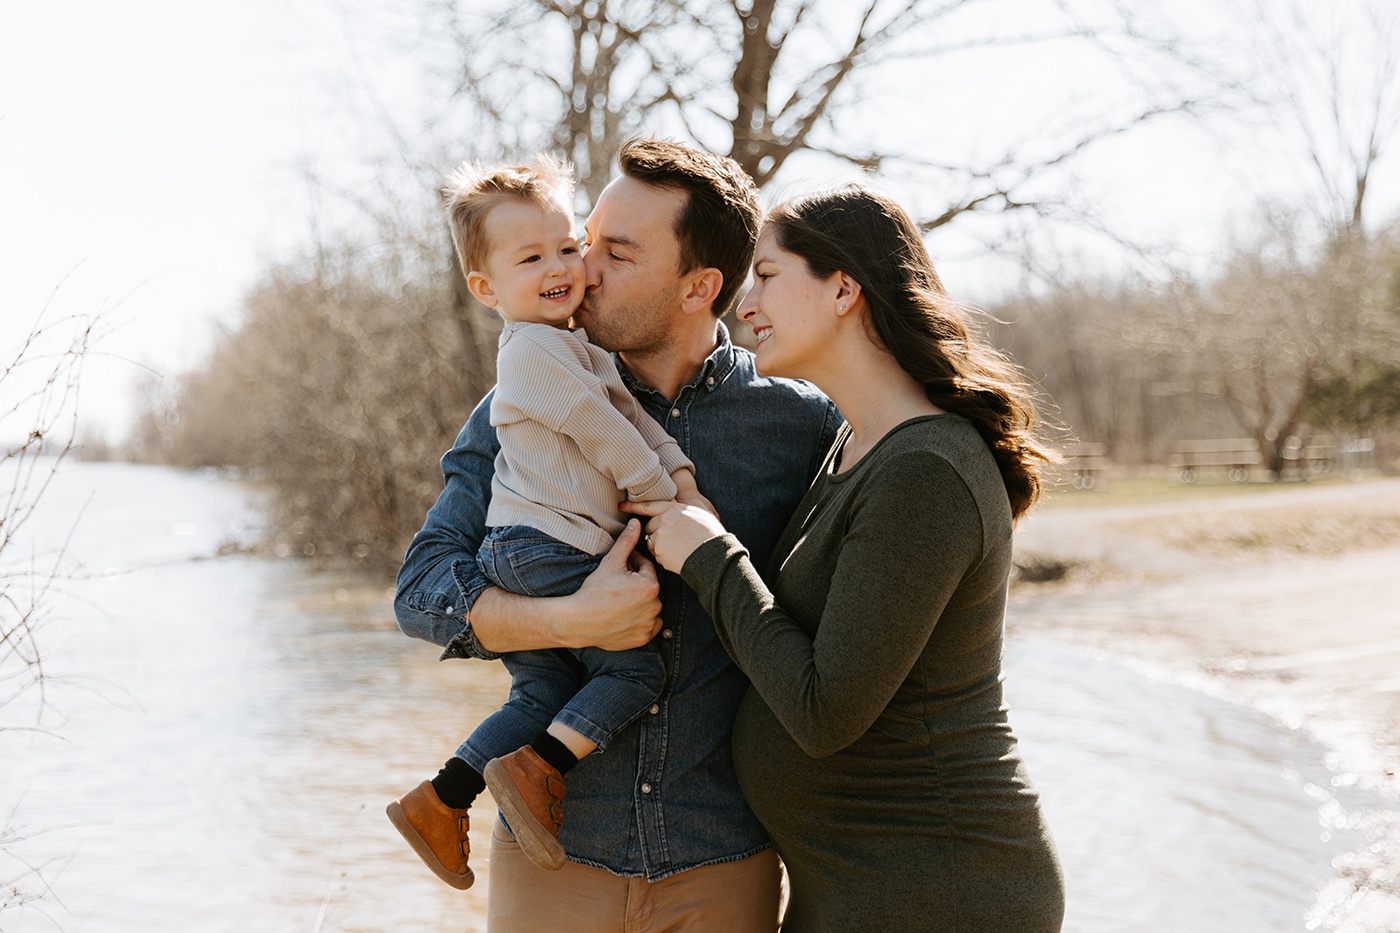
(674, 529)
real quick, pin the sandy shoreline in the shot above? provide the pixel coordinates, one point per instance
(1288, 601)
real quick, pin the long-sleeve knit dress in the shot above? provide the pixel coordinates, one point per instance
(874, 745)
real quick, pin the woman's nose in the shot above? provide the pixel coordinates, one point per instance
(748, 307)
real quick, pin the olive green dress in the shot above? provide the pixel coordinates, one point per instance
(874, 744)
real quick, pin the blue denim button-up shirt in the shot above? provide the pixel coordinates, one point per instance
(663, 797)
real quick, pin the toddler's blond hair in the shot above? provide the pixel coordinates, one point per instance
(476, 187)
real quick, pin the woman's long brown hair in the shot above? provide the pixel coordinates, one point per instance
(870, 238)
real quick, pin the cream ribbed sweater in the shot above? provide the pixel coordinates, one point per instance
(572, 438)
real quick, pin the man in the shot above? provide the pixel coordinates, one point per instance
(657, 835)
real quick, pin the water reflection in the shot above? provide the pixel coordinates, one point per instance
(226, 761)
(1173, 809)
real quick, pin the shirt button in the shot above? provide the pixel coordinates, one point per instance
(451, 608)
(665, 633)
(655, 709)
(675, 412)
(646, 788)
(710, 381)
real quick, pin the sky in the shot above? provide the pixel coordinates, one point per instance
(154, 154)
(148, 164)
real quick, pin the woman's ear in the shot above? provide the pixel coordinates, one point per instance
(847, 293)
(481, 289)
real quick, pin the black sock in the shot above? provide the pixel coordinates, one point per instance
(554, 752)
(458, 783)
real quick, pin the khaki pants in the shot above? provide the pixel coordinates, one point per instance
(733, 897)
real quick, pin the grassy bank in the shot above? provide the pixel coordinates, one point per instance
(1158, 488)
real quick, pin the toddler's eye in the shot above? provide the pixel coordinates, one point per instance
(534, 258)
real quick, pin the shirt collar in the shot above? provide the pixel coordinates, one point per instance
(718, 365)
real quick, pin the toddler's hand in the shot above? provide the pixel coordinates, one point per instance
(687, 493)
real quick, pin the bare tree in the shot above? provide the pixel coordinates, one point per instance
(1329, 86)
(338, 391)
(1299, 313)
(40, 384)
(764, 80)
(1357, 391)
(1262, 334)
(40, 381)
(1095, 351)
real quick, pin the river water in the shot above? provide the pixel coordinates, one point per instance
(221, 734)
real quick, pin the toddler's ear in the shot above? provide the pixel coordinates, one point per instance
(481, 289)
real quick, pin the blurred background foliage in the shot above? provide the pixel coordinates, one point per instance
(353, 365)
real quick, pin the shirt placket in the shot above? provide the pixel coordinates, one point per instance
(650, 791)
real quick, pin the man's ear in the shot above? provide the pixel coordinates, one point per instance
(481, 289)
(702, 288)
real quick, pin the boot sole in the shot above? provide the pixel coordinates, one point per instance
(425, 851)
(539, 844)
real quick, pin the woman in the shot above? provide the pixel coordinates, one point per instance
(874, 745)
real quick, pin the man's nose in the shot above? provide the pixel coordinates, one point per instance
(592, 274)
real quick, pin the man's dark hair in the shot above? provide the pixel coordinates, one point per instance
(719, 223)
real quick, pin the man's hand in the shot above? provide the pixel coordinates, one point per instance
(618, 607)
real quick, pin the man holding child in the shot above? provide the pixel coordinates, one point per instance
(656, 825)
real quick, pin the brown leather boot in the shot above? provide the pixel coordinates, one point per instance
(530, 793)
(437, 832)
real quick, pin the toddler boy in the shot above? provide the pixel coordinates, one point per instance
(572, 437)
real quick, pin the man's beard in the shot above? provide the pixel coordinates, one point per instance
(639, 330)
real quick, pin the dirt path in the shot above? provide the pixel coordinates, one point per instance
(1288, 601)
(1304, 613)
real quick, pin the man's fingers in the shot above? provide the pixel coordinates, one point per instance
(637, 562)
(655, 507)
(621, 550)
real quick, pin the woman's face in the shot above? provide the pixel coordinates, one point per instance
(790, 311)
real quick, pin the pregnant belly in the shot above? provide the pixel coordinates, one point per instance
(879, 781)
(967, 783)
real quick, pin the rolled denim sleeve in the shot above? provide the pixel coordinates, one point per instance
(440, 579)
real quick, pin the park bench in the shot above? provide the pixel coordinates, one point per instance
(1085, 463)
(1316, 455)
(1236, 456)
(1356, 455)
